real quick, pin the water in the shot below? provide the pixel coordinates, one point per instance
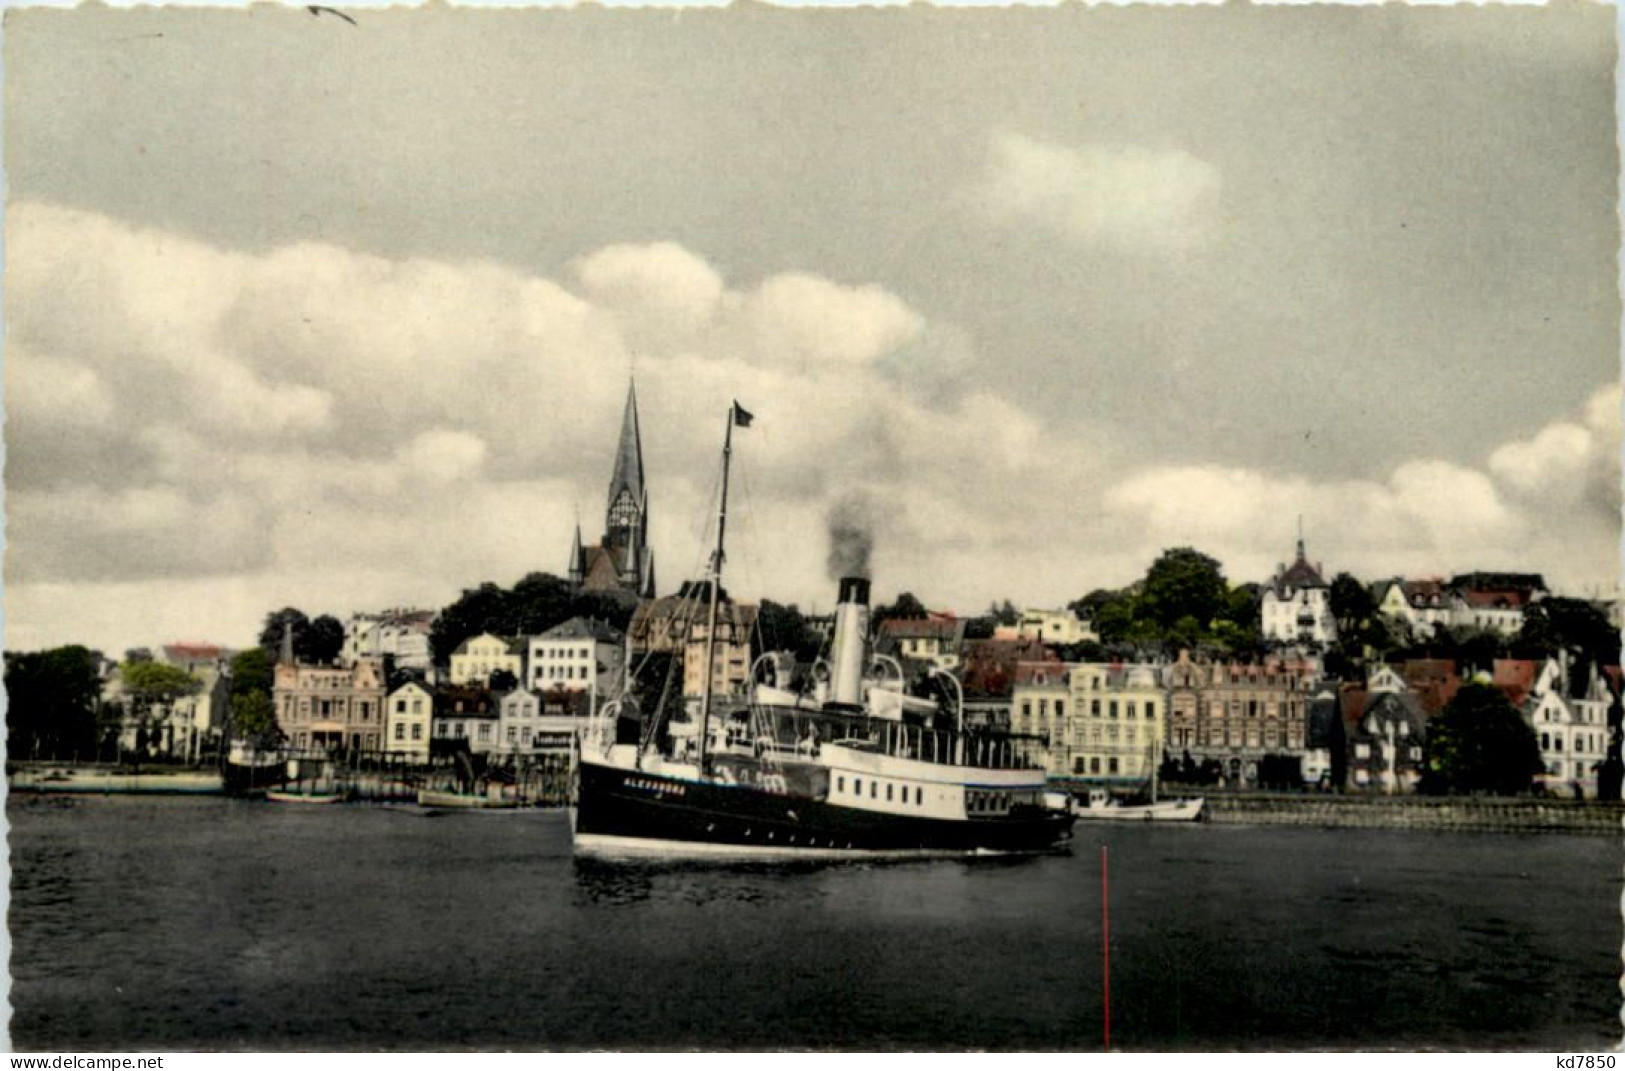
(211, 923)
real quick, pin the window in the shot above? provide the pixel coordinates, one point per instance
(1111, 764)
(1077, 765)
(400, 706)
(513, 733)
(417, 732)
(840, 784)
(1060, 708)
(874, 790)
(485, 732)
(1130, 711)
(1094, 708)
(857, 786)
(1094, 764)
(400, 730)
(919, 795)
(888, 793)
(1111, 709)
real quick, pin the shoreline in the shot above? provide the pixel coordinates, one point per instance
(1456, 814)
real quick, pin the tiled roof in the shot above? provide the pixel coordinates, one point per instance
(1040, 674)
(1424, 594)
(1515, 677)
(1506, 599)
(582, 628)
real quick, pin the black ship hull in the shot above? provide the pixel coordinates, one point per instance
(621, 811)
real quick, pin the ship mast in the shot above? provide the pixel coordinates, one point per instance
(738, 416)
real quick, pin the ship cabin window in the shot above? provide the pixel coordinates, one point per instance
(874, 790)
(888, 793)
(857, 785)
(840, 784)
(919, 796)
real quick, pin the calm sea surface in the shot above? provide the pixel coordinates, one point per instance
(212, 923)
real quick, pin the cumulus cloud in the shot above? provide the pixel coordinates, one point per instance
(312, 410)
(1125, 196)
(1546, 503)
(196, 436)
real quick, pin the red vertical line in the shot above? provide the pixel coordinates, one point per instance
(1106, 948)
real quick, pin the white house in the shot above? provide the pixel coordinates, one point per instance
(1297, 605)
(1569, 714)
(1056, 626)
(576, 655)
(477, 657)
(407, 713)
(401, 634)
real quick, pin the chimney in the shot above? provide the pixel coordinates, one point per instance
(846, 651)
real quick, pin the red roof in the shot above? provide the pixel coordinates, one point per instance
(1497, 600)
(1424, 594)
(1516, 677)
(990, 665)
(1434, 681)
(193, 652)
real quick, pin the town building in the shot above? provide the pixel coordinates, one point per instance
(934, 639)
(330, 707)
(1568, 710)
(188, 728)
(1325, 758)
(408, 712)
(1040, 696)
(1386, 729)
(987, 676)
(1056, 627)
(477, 657)
(1297, 604)
(1112, 729)
(622, 561)
(1238, 713)
(1422, 606)
(465, 718)
(531, 721)
(580, 654)
(399, 634)
(679, 624)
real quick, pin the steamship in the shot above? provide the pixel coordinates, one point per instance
(855, 767)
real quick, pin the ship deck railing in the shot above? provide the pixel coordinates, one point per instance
(798, 732)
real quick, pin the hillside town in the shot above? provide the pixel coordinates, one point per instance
(1300, 682)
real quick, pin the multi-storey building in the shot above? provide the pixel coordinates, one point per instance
(1039, 699)
(400, 634)
(465, 717)
(1060, 627)
(578, 655)
(330, 706)
(531, 722)
(1112, 727)
(679, 624)
(1237, 713)
(935, 638)
(477, 657)
(1386, 728)
(1297, 604)
(407, 713)
(1568, 710)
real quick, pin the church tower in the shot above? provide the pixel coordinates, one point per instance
(622, 560)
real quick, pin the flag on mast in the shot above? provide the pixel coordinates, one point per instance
(742, 419)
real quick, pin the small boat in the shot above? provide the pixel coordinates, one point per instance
(275, 795)
(460, 801)
(1100, 807)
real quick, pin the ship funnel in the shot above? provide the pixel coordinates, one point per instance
(846, 654)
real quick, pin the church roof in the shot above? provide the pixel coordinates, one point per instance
(628, 453)
(1300, 574)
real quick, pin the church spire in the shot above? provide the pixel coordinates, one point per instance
(628, 474)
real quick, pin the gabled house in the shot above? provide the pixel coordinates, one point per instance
(408, 711)
(1297, 605)
(1568, 710)
(477, 657)
(1386, 729)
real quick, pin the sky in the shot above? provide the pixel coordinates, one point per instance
(343, 317)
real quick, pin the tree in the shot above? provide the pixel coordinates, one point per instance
(253, 719)
(324, 640)
(251, 672)
(53, 697)
(1004, 613)
(782, 628)
(502, 680)
(278, 622)
(1480, 743)
(1560, 623)
(906, 607)
(1183, 582)
(152, 687)
(1352, 604)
